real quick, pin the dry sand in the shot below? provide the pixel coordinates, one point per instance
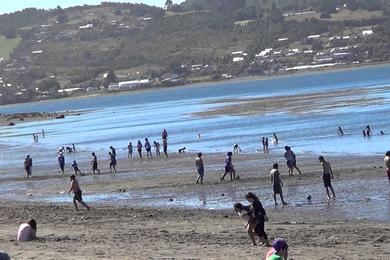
(120, 231)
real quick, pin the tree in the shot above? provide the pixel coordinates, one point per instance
(50, 85)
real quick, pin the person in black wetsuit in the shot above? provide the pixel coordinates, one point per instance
(260, 216)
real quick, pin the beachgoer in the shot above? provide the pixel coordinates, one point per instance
(387, 163)
(364, 133)
(73, 148)
(113, 151)
(340, 131)
(277, 183)
(181, 150)
(266, 144)
(28, 165)
(130, 151)
(382, 133)
(327, 175)
(279, 250)
(4, 256)
(139, 149)
(43, 133)
(164, 134)
(76, 168)
(148, 149)
(275, 139)
(61, 162)
(289, 155)
(165, 147)
(229, 168)
(27, 231)
(157, 148)
(75, 188)
(112, 162)
(368, 130)
(260, 215)
(246, 213)
(263, 143)
(236, 148)
(200, 168)
(94, 164)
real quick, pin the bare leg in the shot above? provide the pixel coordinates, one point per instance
(75, 204)
(281, 197)
(299, 171)
(331, 188)
(84, 204)
(223, 176)
(327, 192)
(276, 203)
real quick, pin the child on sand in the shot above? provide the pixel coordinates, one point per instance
(76, 168)
(246, 213)
(387, 163)
(327, 175)
(200, 168)
(94, 164)
(277, 183)
(260, 216)
(75, 188)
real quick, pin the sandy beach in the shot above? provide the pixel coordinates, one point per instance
(125, 230)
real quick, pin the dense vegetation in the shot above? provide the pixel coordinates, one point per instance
(74, 47)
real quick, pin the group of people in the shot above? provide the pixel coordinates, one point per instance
(148, 147)
(367, 132)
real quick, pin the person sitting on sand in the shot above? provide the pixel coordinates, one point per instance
(61, 162)
(340, 131)
(260, 216)
(275, 139)
(327, 175)
(277, 183)
(246, 213)
(78, 194)
(229, 168)
(76, 168)
(236, 149)
(139, 149)
(112, 162)
(289, 155)
(387, 163)
(279, 250)
(200, 168)
(130, 151)
(28, 166)
(27, 231)
(94, 164)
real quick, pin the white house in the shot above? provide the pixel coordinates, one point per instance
(87, 26)
(367, 32)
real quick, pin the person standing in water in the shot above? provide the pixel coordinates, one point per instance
(164, 134)
(289, 155)
(28, 166)
(340, 131)
(277, 183)
(76, 168)
(78, 195)
(113, 151)
(275, 139)
(327, 175)
(165, 147)
(263, 143)
(139, 149)
(112, 162)
(130, 151)
(200, 168)
(266, 144)
(387, 164)
(61, 162)
(94, 164)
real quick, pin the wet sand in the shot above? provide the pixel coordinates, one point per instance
(125, 230)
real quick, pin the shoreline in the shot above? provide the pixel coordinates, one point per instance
(216, 83)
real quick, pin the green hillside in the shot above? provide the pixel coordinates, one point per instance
(7, 46)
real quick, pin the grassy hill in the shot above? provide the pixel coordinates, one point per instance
(7, 46)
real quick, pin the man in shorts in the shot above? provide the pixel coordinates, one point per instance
(387, 163)
(327, 175)
(94, 164)
(277, 183)
(200, 168)
(75, 188)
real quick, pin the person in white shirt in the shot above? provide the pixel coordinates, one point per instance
(27, 231)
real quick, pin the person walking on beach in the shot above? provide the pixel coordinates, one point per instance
(246, 213)
(260, 215)
(157, 147)
(340, 131)
(266, 144)
(78, 194)
(28, 165)
(165, 147)
(229, 168)
(327, 175)
(61, 162)
(112, 162)
(76, 168)
(148, 149)
(139, 149)
(387, 163)
(200, 168)
(113, 151)
(130, 151)
(277, 183)
(94, 164)
(275, 139)
(289, 155)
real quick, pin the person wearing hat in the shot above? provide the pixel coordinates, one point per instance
(279, 250)
(28, 165)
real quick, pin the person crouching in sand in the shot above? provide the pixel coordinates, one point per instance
(75, 188)
(327, 175)
(246, 213)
